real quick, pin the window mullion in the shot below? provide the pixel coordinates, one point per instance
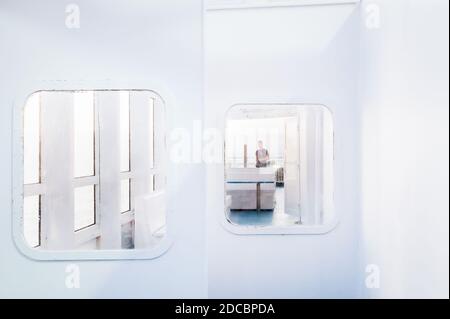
(108, 104)
(57, 170)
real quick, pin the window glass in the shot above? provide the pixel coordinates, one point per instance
(151, 127)
(32, 140)
(84, 207)
(125, 131)
(81, 141)
(279, 166)
(84, 134)
(31, 220)
(125, 202)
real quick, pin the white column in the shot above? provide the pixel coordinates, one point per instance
(291, 168)
(57, 171)
(147, 158)
(108, 105)
(328, 165)
(311, 166)
(141, 109)
(159, 144)
(318, 173)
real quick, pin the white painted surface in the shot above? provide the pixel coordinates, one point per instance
(122, 45)
(57, 170)
(285, 55)
(244, 4)
(405, 148)
(150, 219)
(249, 131)
(108, 104)
(396, 134)
(292, 168)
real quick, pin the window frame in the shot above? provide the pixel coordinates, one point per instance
(92, 231)
(36, 189)
(20, 190)
(246, 230)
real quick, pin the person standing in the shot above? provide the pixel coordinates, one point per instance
(262, 155)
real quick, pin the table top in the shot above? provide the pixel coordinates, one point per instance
(250, 182)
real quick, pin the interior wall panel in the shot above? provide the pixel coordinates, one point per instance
(285, 55)
(154, 45)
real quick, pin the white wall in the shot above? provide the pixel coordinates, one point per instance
(392, 127)
(241, 132)
(123, 44)
(285, 55)
(405, 103)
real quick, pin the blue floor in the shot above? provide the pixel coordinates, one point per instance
(275, 217)
(248, 217)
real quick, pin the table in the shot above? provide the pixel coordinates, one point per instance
(258, 189)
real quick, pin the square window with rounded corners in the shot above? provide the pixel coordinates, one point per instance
(279, 162)
(85, 186)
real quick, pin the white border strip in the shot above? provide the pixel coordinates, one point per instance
(249, 4)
